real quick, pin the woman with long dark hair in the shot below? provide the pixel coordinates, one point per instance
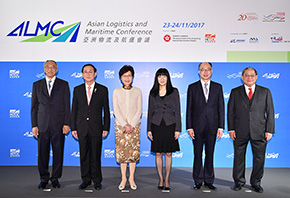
(163, 123)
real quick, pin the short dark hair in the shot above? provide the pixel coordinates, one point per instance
(204, 62)
(155, 89)
(125, 69)
(249, 68)
(95, 69)
(50, 61)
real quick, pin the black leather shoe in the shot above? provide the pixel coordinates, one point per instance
(237, 187)
(98, 186)
(167, 188)
(210, 186)
(84, 185)
(258, 189)
(160, 187)
(42, 185)
(55, 184)
(197, 186)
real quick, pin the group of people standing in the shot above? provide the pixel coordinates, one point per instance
(250, 118)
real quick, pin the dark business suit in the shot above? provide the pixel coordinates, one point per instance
(89, 122)
(204, 118)
(250, 119)
(50, 114)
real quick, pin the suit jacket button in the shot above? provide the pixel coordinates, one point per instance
(88, 118)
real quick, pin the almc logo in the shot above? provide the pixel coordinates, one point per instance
(48, 31)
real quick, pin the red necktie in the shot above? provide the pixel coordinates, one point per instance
(89, 94)
(250, 93)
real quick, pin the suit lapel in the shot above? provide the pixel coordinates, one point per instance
(200, 90)
(256, 95)
(44, 88)
(94, 93)
(55, 87)
(243, 95)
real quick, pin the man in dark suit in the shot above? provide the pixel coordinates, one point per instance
(50, 118)
(90, 104)
(250, 118)
(205, 123)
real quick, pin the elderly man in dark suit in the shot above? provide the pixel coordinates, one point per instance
(205, 122)
(250, 118)
(50, 118)
(90, 104)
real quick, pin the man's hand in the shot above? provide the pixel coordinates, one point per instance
(268, 136)
(65, 129)
(232, 135)
(219, 133)
(191, 133)
(35, 132)
(149, 133)
(75, 134)
(105, 133)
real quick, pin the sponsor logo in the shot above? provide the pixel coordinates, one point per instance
(167, 38)
(75, 154)
(109, 74)
(271, 75)
(177, 155)
(28, 94)
(77, 75)
(14, 152)
(226, 95)
(54, 31)
(248, 17)
(14, 113)
(277, 115)
(14, 73)
(210, 38)
(278, 17)
(230, 155)
(226, 136)
(275, 39)
(28, 134)
(234, 75)
(109, 153)
(272, 155)
(145, 154)
(237, 41)
(253, 40)
(144, 74)
(41, 75)
(176, 75)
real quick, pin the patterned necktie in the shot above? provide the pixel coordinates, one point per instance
(49, 86)
(205, 88)
(250, 93)
(89, 94)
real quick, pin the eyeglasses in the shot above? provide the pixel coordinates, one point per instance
(88, 72)
(205, 70)
(249, 76)
(52, 68)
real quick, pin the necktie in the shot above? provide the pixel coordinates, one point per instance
(49, 86)
(205, 88)
(250, 93)
(89, 94)
(205, 91)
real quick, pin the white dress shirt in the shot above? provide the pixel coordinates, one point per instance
(51, 84)
(247, 89)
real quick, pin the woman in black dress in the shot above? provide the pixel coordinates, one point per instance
(163, 123)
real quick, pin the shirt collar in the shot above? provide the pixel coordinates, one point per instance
(202, 82)
(52, 80)
(92, 85)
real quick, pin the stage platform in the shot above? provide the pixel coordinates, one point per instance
(23, 181)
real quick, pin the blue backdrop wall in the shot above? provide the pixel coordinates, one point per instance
(18, 147)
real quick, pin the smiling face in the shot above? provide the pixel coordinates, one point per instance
(127, 78)
(89, 74)
(162, 80)
(249, 77)
(50, 69)
(205, 71)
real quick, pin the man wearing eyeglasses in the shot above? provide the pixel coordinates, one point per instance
(205, 117)
(50, 119)
(250, 118)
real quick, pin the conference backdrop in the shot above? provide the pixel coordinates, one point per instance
(148, 35)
